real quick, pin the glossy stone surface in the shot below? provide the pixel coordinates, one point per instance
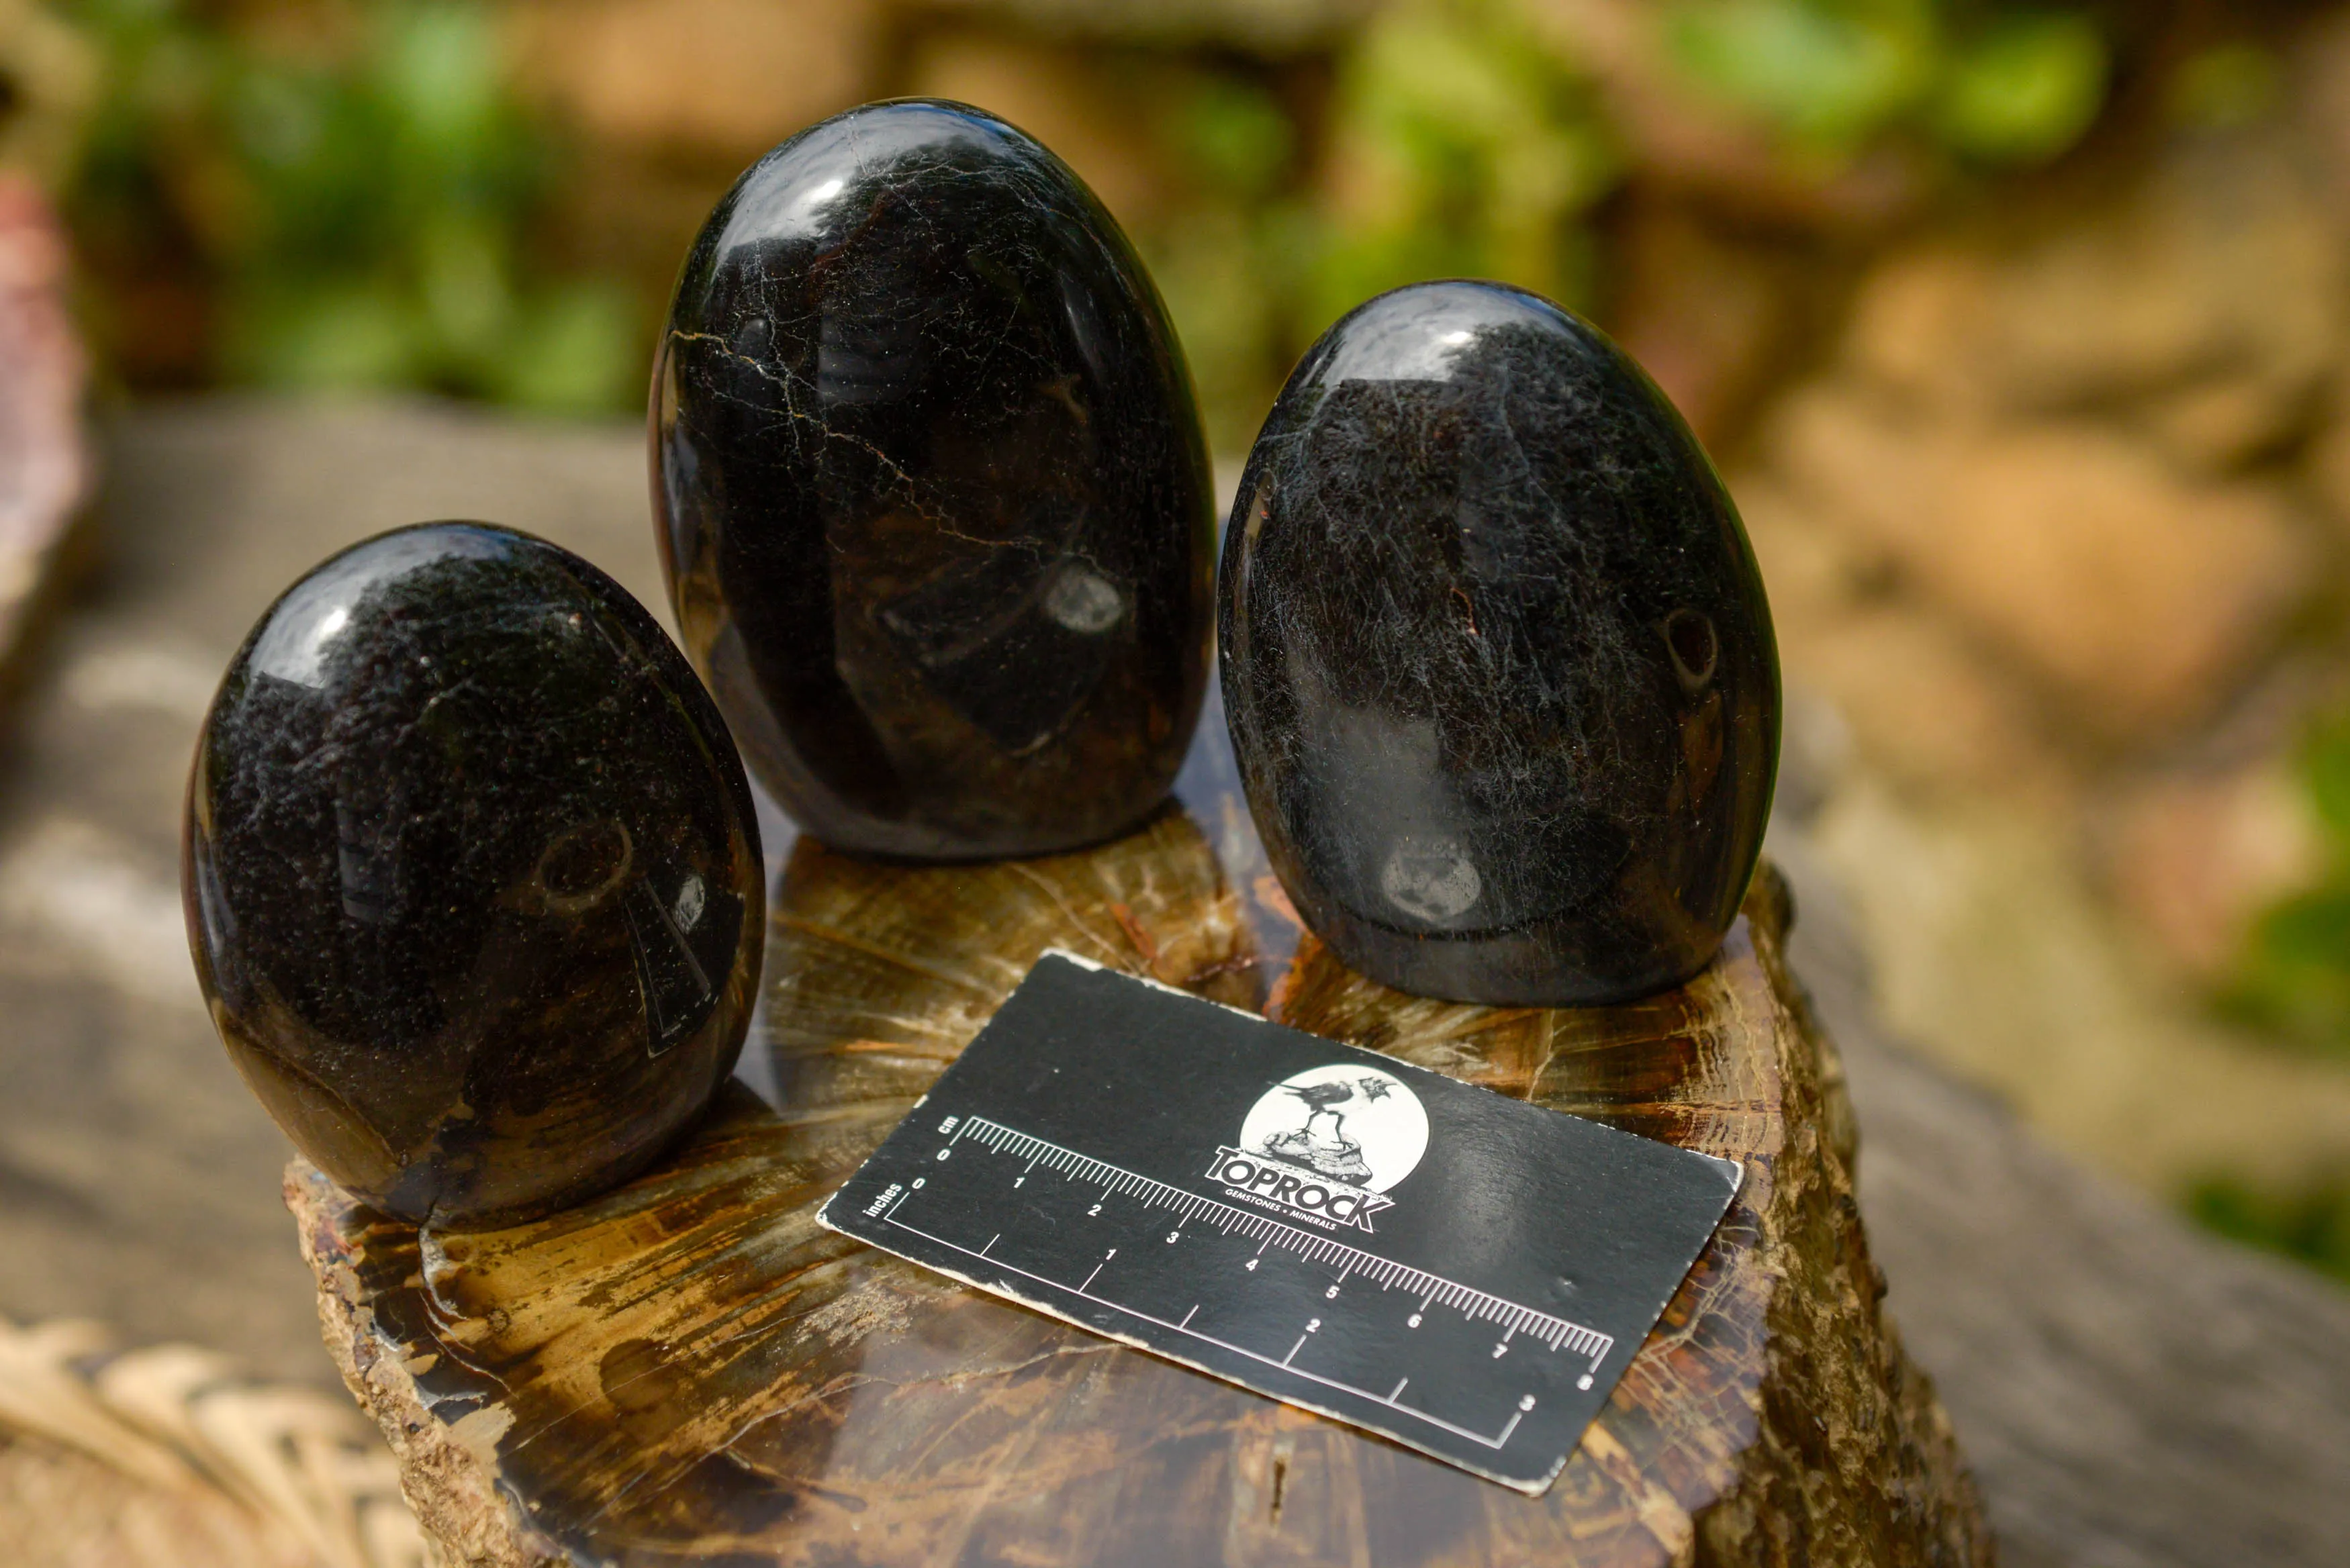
(932, 490)
(1496, 657)
(471, 876)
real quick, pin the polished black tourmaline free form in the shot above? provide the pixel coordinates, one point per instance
(471, 876)
(1496, 657)
(931, 490)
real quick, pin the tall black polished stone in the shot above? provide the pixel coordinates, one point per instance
(1496, 657)
(932, 493)
(471, 876)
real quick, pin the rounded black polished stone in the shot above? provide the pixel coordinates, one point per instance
(471, 876)
(1498, 665)
(932, 493)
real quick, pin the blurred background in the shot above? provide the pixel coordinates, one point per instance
(2020, 331)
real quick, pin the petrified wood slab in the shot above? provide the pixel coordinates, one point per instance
(689, 1371)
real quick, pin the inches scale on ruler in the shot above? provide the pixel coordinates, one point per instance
(1465, 1273)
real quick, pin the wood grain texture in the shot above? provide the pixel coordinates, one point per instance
(689, 1371)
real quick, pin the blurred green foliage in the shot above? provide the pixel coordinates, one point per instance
(2293, 978)
(358, 203)
(1458, 146)
(351, 193)
(2227, 84)
(2312, 1226)
(1460, 139)
(2023, 91)
(1466, 148)
(1226, 263)
(2002, 85)
(1828, 74)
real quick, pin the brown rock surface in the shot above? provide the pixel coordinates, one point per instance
(2043, 525)
(2197, 857)
(1703, 314)
(1929, 709)
(2137, 592)
(2207, 303)
(1996, 950)
(2328, 468)
(2317, 73)
(722, 78)
(1923, 700)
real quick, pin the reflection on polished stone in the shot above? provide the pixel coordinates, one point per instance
(471, 876)
(1498, 664)
(932, 493)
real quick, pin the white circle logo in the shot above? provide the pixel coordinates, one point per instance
(1344, 1123)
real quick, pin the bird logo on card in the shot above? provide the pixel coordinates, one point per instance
(1327, 1143)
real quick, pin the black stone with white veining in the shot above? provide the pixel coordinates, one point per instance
(933, 498)
(471, 876)
(1497, 661)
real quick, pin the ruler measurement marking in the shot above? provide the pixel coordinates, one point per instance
(1555, 1332)
(1474, 1305)
(1277, 1191)
(1391, 1401)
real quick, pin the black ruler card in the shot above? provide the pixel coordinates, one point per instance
(1466, 1273)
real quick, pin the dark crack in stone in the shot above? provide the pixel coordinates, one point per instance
(1499, 668)
(471, 876)
(932, 493)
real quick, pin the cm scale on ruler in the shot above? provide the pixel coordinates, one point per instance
(1158, 1283)
(1321, 1224)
